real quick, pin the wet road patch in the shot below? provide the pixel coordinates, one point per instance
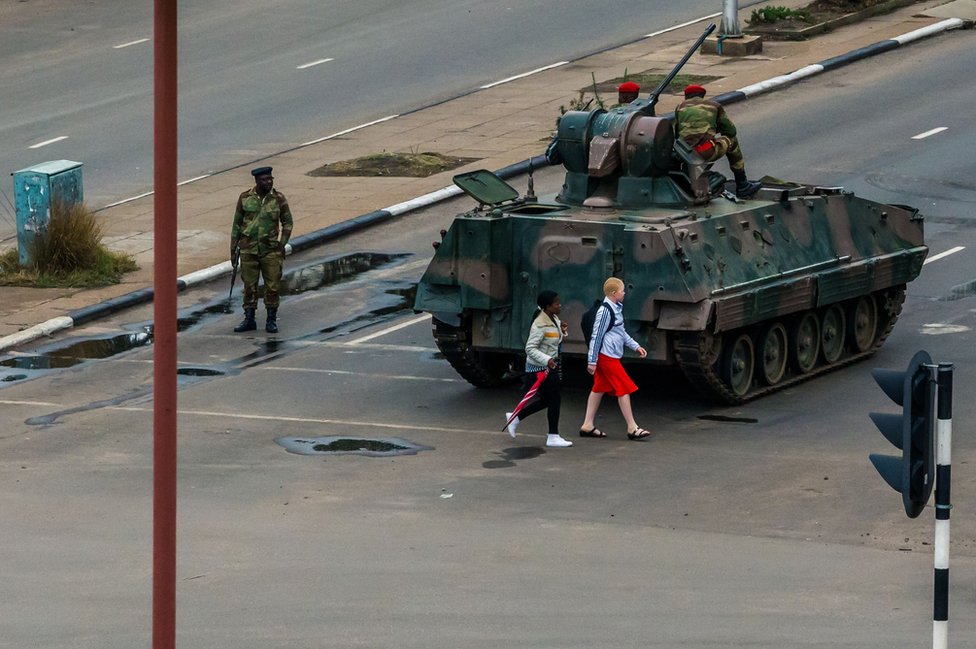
(338, 445)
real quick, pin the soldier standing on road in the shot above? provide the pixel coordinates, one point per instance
(703, 124)
(259, 214)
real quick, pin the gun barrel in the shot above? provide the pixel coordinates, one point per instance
(653, 97)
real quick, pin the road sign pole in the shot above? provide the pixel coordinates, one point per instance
(942, 377)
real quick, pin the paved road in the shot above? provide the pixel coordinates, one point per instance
(762, 525)
(254, 79)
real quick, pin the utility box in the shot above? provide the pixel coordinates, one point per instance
(36, 189)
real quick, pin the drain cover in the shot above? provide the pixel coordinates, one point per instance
(337, 445)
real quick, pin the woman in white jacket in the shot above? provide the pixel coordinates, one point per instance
(542, 351)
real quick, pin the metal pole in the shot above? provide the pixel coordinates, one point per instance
(730, 18)
(943, 472)
(164, 325)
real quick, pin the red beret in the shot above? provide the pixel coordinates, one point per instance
(628, 86)
(694, 89)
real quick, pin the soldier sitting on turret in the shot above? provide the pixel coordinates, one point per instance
(703, 124)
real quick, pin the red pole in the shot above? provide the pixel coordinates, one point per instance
(164, 327)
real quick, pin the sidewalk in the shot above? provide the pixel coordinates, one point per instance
(500, 126)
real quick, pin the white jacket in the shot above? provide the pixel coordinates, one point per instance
(543, 343)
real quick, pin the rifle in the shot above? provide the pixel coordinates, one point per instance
(648, 108)
(235, 258)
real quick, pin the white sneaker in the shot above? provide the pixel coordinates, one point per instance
(557, 441)
(512, 426)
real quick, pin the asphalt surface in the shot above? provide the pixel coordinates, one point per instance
(761, 526)
(255, 79)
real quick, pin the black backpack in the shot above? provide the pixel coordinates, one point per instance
(589, 318)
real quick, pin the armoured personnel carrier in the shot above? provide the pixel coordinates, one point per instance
(745, 296)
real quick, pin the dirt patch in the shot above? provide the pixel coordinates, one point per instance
(414, 165)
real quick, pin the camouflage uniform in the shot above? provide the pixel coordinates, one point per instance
(256, 223)
(701, 120)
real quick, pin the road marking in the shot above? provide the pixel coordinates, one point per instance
(950, 251)
(390, 330)
(46, 142)
(349, 130)
(308, 65)
(308, 420)
(524, 74)
(135, 198)
(922, 136)
(690, 22)
(11, 402)
(392, 377)
(141, 40)
(193, 180)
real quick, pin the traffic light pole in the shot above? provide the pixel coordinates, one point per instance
(941, 376)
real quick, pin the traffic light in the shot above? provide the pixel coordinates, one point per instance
(913, 474)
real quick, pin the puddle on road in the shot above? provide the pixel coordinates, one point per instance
(308, 278)
(336, 445)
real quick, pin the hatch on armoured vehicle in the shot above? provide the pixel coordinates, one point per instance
(485, 187)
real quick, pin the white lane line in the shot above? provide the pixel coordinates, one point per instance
(141, 40)
(46, 142)
(349, 130)
(950, 251)
(524, 74)
(193, 180)
(690, 22)
(390, 330)
(46, 404)
(135, 198)
(308, 420)
(391, 377)
(922, 136)
(308, 65)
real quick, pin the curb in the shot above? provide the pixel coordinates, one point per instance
(303, 242)
(332, 232)
(839, 61)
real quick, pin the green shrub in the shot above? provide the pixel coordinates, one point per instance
(773, 14)
(68, 253)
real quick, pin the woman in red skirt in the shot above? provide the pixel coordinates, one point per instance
(603, 361)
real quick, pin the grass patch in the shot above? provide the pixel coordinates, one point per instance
(67, 254)
(414, 165)
(769, 15)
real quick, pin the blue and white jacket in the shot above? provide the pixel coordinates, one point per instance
(607, 340)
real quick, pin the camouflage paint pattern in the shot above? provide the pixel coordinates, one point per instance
(699, 274)
(698, 120)
(267, 265)
(256, 226)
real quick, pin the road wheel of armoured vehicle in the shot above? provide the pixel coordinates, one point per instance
(772, 354)
(832, 333)
(480, 369)
(864, 323)
(805, 342)
(739, 364)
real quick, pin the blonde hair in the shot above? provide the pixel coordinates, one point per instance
(612, 284)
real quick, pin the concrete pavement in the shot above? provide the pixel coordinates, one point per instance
(503, 126)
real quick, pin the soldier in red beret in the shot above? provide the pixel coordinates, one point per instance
(703, 124)
(627, 92)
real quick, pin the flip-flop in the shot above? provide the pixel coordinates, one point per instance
(639, 433)
(595, 432)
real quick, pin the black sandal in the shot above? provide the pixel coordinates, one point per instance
(594, 432)
(639, 433)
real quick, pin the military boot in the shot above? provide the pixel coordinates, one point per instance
(271, 324)
(744, 188)
(248, 323)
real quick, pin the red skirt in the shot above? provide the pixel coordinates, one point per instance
(611, 378)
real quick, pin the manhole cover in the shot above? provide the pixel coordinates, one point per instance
(337, 445)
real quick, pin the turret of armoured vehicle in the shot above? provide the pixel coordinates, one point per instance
(745, 296)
